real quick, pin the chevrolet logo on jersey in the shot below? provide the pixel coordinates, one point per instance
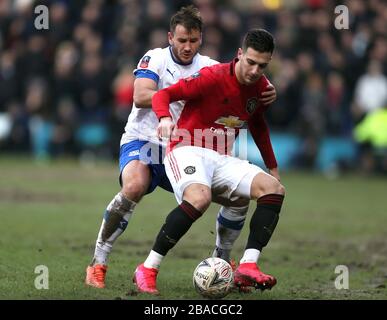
(230, 122)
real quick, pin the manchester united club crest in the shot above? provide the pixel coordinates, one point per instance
(145, 62)
(190, 170)
(251, 105)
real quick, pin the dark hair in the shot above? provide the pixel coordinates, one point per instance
(189, 17)
(259, 40)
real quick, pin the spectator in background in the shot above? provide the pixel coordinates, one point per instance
(15, 133)
(371, 136)
(35, 61)
(93, 97)
(284, 112)
(60, 29)
(231, 25)
(337, 116)
(65, 125)
(63, 79)
(40, 117)
(370, 116)
(312, 120)
(371, 91)
(8, 79)
(123, 88)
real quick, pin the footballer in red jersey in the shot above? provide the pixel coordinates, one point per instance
(219, 106)
(220, 100)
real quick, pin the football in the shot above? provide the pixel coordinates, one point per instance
(213, 278)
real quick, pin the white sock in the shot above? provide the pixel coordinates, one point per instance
(103, 248)
(101, 252)
(154, 260)
(225, 237)
(234, 218)
(222, 253)
(250, 255)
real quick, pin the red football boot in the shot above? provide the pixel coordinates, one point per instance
(145, 279)
(95, 276)
(249, 275)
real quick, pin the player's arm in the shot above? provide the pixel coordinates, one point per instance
(185, 89)
(269, 95)
(147, 76)
(261, 135)
(144, 89)
(160, 105)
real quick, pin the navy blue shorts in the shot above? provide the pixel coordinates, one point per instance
(152, 155)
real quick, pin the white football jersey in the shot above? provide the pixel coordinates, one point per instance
(159, 64)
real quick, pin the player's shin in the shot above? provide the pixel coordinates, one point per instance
(262, 225)
(114, 223)
(229, 224)
(176, 225)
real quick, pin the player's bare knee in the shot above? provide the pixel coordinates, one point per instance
(281, 189)
(273, 187)
(269, 185)
(198, 196)
(134, 190)
(136, 178)
(199, 203)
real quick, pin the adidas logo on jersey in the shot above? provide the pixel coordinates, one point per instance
(134, 153)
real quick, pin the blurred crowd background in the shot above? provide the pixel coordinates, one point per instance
(67, 91)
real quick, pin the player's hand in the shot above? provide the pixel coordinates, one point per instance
(165, 128)
(275, 173)
(269, 95)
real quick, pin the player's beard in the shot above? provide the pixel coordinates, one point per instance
(186, 58)
(179, 55)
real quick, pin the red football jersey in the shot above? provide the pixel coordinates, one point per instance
(216, 108)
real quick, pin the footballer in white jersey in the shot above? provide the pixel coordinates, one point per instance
(139, 141)
(161, 66)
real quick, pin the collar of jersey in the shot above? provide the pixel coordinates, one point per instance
(232, 70)
(177, 61)
(232, 66)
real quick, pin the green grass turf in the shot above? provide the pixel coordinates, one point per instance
(50, 215)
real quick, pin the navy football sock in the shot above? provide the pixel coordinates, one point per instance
(176, 225)
(264, 220)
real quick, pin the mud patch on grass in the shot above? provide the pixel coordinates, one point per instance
(136, 243)
(361, 254)
(22, 196)
(132, 293)
(366, 260)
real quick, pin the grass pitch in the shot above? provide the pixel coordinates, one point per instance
(50, 215)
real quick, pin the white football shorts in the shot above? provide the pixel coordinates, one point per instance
(227, 176)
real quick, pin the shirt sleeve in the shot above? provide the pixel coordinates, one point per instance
(196, 86)
(260, 130)
(150, 65)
